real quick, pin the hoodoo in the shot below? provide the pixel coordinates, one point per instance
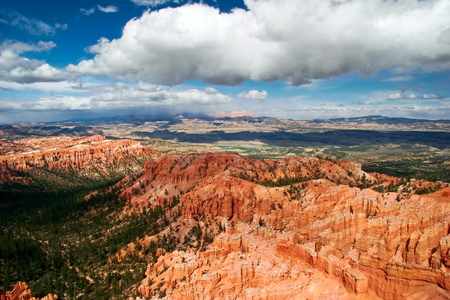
(313, 225)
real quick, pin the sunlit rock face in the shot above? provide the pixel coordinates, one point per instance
(68, 153)
(22, 292)
(295, 228)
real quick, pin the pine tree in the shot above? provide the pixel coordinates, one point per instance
(6, 278)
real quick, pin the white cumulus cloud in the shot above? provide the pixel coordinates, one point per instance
(432, 96)
(108, 9)
(394, 96)
(86, 11)
(120, 96)
(414, 96)
(292, 40)
(31, 25)
(16, 68)
(152, 2)
(253, 94)
(147, 95)
(399, 78)
(61, 26)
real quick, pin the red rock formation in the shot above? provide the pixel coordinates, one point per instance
(22, 292)
(241, 265)
(66, 152)
(314, 232)
(174, 174)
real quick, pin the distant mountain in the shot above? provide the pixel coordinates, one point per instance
(9, 129)
(132, 118)
(243, 116)
(381, 120)
(233, 114)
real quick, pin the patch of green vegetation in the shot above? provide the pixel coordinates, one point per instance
(404, 161)
(60, 238)
(336, 153)
(66, 244)
(356, 148)
(427, 190)
(62, 234)
(411, 167)
(284, 181)
(236, 148)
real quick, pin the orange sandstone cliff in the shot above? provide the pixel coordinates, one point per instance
(22, 292)
(297, 228)
(64, 152)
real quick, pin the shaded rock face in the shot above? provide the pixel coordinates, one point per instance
(22, 292)
(66, 153)
(289, 237)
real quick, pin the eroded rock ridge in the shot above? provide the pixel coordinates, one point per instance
(294, 228)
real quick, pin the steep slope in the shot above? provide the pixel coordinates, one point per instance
(52, 194)
(298, 222)
(174, 174)
(67, 154)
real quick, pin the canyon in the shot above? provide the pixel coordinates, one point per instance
(323, 237)
(233, 227)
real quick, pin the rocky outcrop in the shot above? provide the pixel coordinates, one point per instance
(22, 292)
(175, 174)
(67, 153)
(300, 223)
(242, 264)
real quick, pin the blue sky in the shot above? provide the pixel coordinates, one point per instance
(290, 59)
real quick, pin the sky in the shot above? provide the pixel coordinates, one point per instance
(296, 59)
